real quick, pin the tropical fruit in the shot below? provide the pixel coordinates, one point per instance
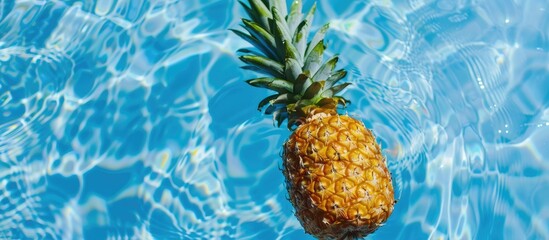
(336, 176)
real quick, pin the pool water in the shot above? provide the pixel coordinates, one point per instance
(131, 119)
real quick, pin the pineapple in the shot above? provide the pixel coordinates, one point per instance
(336, 176)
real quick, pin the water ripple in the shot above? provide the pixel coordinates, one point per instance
(30, 81)
(130, 119)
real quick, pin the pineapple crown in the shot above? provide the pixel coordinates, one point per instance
(294, 65)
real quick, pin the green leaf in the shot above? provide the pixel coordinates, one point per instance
(337, 88)
(326, 69)
(295, 16)
(270, 109)
(335, 77)
(266, 64)
(291, 52)
(273, 107)
(302, 82)
(313, 90)
(255, 42)
(341, 100)
(284, 99)
(267, 3)
(311, 13)
(330, 92)
(282, 36)
(260, 34)
(276, 84)
(325, 102)
(281, 26)
(292, 69)
(266, 101)
(281, 6)
(249, 51)
(301, 34)
(279, 41)
(314, 59)
(262, 12)
(251, 13)
(300, 38)
(303, 103)
(318, 37)
(256, 69)
(279, 116)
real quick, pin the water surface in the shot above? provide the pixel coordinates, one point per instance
(132, 119)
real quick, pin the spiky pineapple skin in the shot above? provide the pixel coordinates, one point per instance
(337, 178)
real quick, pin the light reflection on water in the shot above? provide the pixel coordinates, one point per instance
(131, 119)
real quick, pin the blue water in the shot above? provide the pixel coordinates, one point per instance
(131, 119)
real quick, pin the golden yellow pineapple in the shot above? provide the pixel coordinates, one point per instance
(337, 178)
(336, 175)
